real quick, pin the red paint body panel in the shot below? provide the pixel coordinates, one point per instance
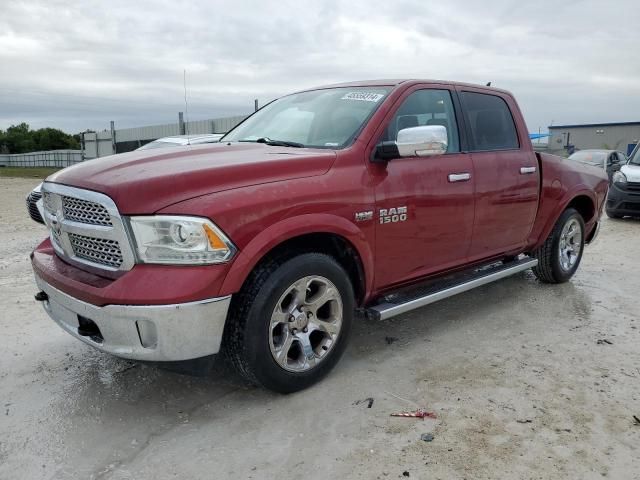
(506, 200)
(562, 181)
(261, 195)
(288, 209)
(142, 182)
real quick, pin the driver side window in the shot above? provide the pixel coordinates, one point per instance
(426, 107)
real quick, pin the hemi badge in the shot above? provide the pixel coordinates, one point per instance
(364, 216)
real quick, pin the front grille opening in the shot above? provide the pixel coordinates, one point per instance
(88, 328)
(84, 211)
(97, 250)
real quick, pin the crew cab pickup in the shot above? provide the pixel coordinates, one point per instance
(373, 198)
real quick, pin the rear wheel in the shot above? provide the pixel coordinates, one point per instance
(291, 322)
(560, 254)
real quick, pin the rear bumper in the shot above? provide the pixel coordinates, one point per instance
(172, 332)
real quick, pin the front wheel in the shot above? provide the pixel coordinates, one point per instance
(291, 322)
(560, 254)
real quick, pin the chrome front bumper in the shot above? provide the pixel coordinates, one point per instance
(143, 332)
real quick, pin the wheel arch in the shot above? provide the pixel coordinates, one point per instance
(583, 200)
(585, 205)
(321, 233)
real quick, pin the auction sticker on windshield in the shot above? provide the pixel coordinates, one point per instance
(363, 96)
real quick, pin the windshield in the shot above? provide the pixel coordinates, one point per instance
(635, 156)
(590, 158)
(328, 118)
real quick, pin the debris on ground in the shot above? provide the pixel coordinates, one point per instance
(420, 413)
(637, 419)
(427, 437)
(524, 420)
(604, 340)
(405, 474)
(390, 340)
(368, 401)
(127, 368)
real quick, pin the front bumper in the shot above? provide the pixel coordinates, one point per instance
(175, 332)
(623, 201)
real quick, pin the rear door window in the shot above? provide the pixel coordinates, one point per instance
(490, 121)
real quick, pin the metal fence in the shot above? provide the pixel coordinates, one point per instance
(52, 158)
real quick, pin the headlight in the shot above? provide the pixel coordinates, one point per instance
(179, 240)
(619, 177)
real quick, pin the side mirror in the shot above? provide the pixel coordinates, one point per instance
(423, 141)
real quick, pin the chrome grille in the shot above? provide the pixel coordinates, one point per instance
(84, 211)
(96, 250)
(87, 229)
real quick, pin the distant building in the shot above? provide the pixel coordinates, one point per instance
(622, 136)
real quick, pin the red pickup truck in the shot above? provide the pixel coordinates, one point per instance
(373, 197)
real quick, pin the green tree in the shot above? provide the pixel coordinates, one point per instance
(21, 139)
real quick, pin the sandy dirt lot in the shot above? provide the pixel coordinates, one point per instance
(527, 381)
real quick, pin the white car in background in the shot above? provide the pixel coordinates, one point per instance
(180, 140)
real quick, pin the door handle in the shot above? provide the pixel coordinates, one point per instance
(459, 177)
(527, 170)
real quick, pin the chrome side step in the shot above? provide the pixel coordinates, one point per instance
(398, 304)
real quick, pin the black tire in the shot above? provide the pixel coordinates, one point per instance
(613, 215)
(549, 268)
(246, 338)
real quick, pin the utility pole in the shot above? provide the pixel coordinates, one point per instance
(181, 123)
(113, 137)
(255, 105)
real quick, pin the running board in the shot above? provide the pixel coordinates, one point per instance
(397, 304)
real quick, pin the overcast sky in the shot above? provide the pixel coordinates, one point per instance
(77, 65)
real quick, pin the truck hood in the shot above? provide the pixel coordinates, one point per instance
(145, 181)
(632, 172)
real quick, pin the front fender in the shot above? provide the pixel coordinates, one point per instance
(289, 228)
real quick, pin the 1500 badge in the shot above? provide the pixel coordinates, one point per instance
(393, 215)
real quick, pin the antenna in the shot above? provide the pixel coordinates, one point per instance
(186, 104)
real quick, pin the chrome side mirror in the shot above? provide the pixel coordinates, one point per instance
(422, 141)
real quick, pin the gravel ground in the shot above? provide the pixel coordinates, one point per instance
(527, 381)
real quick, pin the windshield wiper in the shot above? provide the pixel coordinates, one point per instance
(275, 143)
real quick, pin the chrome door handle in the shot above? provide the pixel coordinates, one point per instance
(527, 170)
(459, 177)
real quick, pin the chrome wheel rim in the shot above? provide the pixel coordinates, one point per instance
(305, 323)
(570, 244)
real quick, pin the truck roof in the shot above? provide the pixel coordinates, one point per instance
(403, 81)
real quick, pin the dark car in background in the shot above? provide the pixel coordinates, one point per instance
(609, 160)
(34, 204)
